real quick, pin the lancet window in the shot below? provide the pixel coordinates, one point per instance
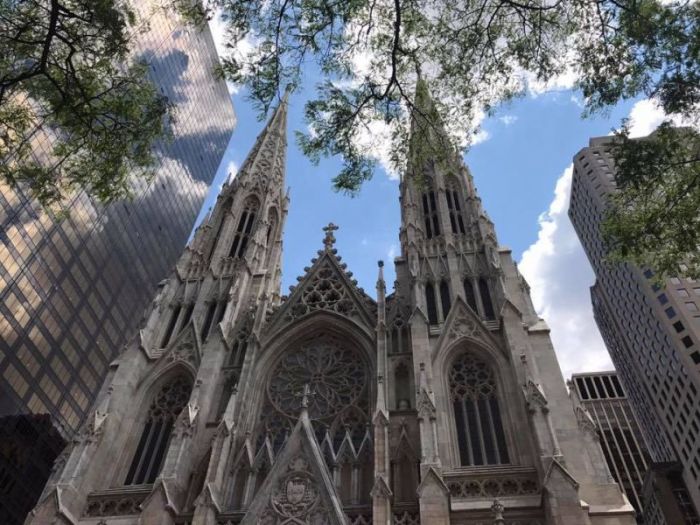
(399, 337)
(486, 299)
(402, 387)
(226, 210)
(431, 217)
(172, 323)
(431, 303)
(474, 394)
(445, 300)
(454, 206)
(470, 294)
(244, 228)
(162, 414)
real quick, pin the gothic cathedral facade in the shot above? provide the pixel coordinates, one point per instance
(440, 403)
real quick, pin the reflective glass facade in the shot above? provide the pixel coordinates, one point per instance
(73, 290)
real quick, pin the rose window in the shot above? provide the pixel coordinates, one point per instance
(336, 374)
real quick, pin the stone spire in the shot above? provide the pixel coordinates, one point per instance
(266, 160)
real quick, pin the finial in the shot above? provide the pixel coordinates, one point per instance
(380, 263)
(329, 239)
(305, 395)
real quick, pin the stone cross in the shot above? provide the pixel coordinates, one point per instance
(329, 240)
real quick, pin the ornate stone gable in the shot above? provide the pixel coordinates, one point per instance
(299, 489)
(185, 348)
(325, 287)
(463, 323)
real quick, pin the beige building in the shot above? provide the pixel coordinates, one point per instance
(602, 396)
(652, 332)
(442, 402)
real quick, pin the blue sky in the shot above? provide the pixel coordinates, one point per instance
(521, 167)
(529, 142)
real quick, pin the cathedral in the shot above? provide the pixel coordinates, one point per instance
(439, 403)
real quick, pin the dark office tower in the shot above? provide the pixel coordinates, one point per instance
(603, 397)
(72, 291)
(652, 332)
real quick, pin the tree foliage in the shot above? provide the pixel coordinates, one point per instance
(76, 111)
(474, 54)
(656, 207)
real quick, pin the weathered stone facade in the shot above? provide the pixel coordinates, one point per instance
(440, 403)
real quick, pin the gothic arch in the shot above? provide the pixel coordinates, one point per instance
(508, 397)
(338, 361)
(282, 333)
(247, 219)
(218, 227)
(145, 400)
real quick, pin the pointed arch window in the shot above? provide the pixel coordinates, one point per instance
(430, 214)
(486, 299)
(172, 323)
(469, 294)
(402, 387)
(400, 338)
(445, 300)
(431, 303)
(474, 394)
(272, 225)
(162, 414)
(226, 209)
(454, 206)
(245, 227)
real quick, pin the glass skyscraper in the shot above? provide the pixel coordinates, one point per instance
(73, 289)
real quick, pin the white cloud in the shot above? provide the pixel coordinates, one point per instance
(645, 117)
(480, 136)
(561, 82)
(559, 275)
(217, 26)
(231, 170)
(375, 141)
(392, 252)
(507, 120)
(576, 100)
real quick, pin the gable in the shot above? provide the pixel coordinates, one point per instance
(463, 323)
(299, 489)
(326, 287)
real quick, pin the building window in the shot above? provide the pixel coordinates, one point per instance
(670, 312)
(171, 326)
(678, 325)
(486, 299)
(402, 387)
(474, 395)
(208, 319)
(164, 410)
(225, 211)
(431, 303)
(430, 214)
(687, 341)
(445, 300)
(455, 209)
(469, 294)
(245, 226)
